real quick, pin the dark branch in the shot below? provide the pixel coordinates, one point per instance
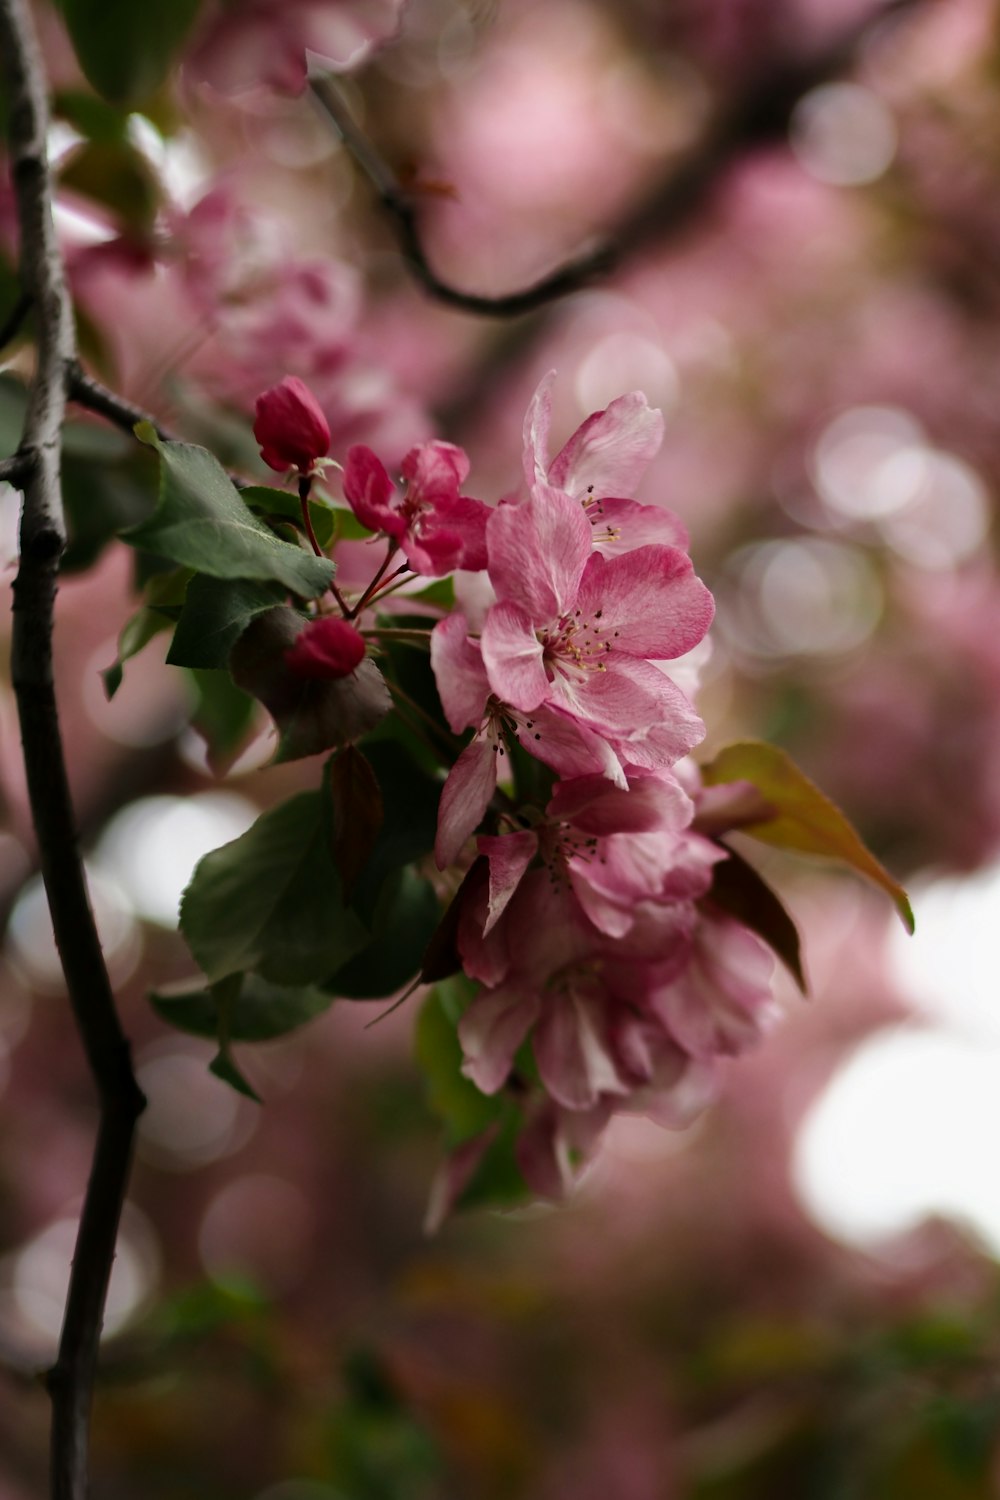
(43, 537)
(402, 209)
(84, 390)
(761, 113)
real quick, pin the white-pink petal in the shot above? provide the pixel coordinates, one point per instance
(492, 1029)
(537, 553)
(609, 452)
(509, 855)
(512, 656)
(459, 673)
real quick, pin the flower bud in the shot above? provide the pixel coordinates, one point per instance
(327, 647)
(290, 426)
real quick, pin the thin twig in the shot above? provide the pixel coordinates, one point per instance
(85, 391)
(402, 209)
(761, 112)
(14, 470)
(43, 538)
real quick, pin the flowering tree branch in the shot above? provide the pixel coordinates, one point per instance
(43, 538)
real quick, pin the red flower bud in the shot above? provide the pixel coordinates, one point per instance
(290, 427)
(327, 647)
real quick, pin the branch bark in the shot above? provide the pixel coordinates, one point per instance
(43, 538)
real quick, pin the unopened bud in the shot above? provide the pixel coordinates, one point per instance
(290, 426)
(327, 647)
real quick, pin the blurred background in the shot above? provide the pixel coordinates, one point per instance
(798, 1295)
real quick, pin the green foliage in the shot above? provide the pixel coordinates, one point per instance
(796, 815)
(740, 891)
(164, 597)
(259, 1012)
(202, 523)
(405, 916)
(108, 485)
(358, 812)
(223, 715)
(124, 49)
(113, 174)
(409, 800)
(270, 503)
(216, 613)
(270, 901)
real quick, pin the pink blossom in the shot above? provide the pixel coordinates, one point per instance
(600, 466)
(327, 648)
(290, 427)
(437, 528)
(264, 42)
(575, 631)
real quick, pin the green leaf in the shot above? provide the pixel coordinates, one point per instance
(268, 502)
(216, 613)
(105, 490)
(270, 901)
(136, 633)
(802, 818)
(223, 717)
(89, 115)
(740, 891)
(259, 1013)
(224, 1066)
(201, 522)
(406, 914)
(13, 409)
(118, 177)
(163, 598)
(410, 801)
(356, 803)
(125, 49)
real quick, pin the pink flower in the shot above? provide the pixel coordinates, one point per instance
(577, 632)
(265, 41)
(290, 427)
(600, 466)
(327, 647)
(437, 528)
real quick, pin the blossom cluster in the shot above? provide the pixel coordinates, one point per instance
(606, 977)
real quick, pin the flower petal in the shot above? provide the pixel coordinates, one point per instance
(512, 656)
(609, 452)
(537, 553)
(457, 663)
(370, 492)
(465, 797)
(509, 855)
(648, 602)
(492, 1029)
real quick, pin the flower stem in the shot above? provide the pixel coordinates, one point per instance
(372, 588)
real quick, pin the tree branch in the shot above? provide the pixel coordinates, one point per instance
(761, 112)
(85, 391)
(401, 208)
(43, 537)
